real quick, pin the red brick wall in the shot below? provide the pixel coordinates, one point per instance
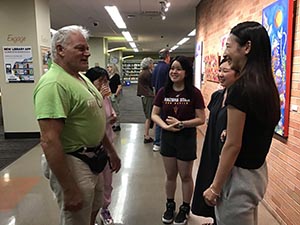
(214, 20)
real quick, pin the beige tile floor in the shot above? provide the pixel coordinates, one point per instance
(138, 195)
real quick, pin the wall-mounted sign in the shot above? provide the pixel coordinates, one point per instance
(18, 64)
(15, 39)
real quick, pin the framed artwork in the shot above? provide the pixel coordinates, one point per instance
(278, 19)
(198, 64)
(211, 63)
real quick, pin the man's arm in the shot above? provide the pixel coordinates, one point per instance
(50, 141)
(114, 158)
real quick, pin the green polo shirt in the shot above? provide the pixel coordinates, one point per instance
(60, 95)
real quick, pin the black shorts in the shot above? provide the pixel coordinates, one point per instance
(182, 144)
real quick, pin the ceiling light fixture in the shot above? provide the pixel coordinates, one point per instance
(127, 36)
(192, 33)
(128, 57)
(116, 16)
(116, 49)
(164, 7)
(132, 44)
(168, 4)
(163, 15)
(174, 47)
(183, 40)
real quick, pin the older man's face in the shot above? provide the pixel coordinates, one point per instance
(75, 53)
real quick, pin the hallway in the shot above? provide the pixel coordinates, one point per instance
(138, 195)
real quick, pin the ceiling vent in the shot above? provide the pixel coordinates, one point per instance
(150, 13)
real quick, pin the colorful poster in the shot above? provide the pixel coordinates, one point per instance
(18, 64)
(198, 64)
(277, 22)
(212, 67)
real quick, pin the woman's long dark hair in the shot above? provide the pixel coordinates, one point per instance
(256, 76)
(188, 79)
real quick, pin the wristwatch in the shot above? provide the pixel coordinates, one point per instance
(180, 125)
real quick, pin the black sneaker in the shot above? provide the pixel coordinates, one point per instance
(169, 214)
(182, 216)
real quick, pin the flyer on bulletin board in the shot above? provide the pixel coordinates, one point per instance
(18, 64)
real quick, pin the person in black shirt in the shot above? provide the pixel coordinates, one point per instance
(253, 111)
(213, 142)
(115, 87)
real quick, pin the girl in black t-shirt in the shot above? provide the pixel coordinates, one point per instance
(214, 140)
(253, 111)
(178, 109)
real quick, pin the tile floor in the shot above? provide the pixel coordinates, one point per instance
(138, 195)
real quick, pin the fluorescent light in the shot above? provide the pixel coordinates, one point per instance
(127, 36)
(128, 57)
(192, 33)
(132, 44)
(183, 40)
(116, 17)
(163, 15)
(168, 4)
(135, 50)
(116, 49)
(174, 47)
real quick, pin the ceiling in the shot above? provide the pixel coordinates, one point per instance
(142, 17)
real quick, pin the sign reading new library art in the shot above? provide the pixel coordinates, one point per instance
(18, 64)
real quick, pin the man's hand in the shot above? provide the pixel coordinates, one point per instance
(73, 200)
(115, 161)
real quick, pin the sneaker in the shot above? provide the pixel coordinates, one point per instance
(183, 215)
(169, 214)
(156, 148)
(106, 217)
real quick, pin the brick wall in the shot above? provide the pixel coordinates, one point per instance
(214, 20)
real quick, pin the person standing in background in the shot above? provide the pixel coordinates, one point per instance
(213, 141)
(99, 77)
(115, 87)
(72, 125)
(145, 91)
(178, 109)
(159, 78)
(253, 111)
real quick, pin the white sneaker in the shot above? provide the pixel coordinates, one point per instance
(156, 148)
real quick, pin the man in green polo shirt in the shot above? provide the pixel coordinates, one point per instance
(71, 119)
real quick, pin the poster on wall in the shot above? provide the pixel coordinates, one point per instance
(212, 67)
(277, 18)
(198, 64)
(18, 64)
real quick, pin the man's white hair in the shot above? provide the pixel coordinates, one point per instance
(62, 35)
(146, 62)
